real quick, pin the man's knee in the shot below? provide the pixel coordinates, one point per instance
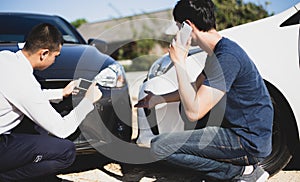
(69, 153)
(63, 152)
(158, 148)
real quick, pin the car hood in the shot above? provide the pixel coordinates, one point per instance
(76, 61)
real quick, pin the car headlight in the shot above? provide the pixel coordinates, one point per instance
(163, 64)
(112, 76)
(160, 66)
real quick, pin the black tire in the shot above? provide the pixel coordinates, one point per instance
(281, 153)
(122, 131)
(121, 127)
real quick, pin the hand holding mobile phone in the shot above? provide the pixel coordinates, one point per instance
(185, 33)
(83, 84)
(88, 89)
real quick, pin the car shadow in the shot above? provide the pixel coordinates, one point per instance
(156, 171)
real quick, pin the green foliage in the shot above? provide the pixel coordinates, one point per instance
(78, 22)
(141, 63)
(231, 13)
(136, 52)
(143, 46)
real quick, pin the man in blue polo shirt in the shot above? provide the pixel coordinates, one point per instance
(233, 85)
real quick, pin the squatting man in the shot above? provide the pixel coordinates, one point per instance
(26, 156)
(231, 80)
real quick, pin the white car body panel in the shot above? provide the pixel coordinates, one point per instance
(166, 83)
(276, 58)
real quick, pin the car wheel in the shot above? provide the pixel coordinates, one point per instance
(121, 125)
(122, 131)
(281, 153)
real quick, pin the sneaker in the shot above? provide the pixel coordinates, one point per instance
(258, 175)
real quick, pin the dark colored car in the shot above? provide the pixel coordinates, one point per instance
(111, 118)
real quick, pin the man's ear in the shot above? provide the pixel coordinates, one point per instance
(43, 53)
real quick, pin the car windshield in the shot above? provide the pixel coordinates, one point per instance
(14, 28)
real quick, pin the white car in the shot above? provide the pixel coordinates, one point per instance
(273, 44)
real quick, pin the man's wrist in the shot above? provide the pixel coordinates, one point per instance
(159, 99)
(63, 93)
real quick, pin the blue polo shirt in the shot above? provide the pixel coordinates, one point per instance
(248, 108)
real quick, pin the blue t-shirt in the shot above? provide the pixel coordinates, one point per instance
(248, 108)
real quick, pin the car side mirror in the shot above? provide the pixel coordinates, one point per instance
(99, 44)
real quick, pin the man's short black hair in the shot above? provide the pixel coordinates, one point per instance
(199, 12)
(43, 36)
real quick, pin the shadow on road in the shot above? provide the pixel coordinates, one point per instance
(156, 171)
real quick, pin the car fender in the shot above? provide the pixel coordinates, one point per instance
(163, 84)
(276, 57)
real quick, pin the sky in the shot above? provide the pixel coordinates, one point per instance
(100, 10)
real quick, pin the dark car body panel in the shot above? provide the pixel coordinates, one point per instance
(77, 61)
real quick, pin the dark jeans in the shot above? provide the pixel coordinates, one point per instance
(25, 156)
(213, 151)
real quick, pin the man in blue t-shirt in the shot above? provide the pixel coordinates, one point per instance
(229, 87)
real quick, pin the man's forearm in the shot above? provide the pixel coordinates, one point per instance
(171, 97)
(175, 97)
(53, 95)
(187, 92)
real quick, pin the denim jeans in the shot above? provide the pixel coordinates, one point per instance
(213, 151)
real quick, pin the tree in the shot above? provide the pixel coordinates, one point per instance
(138, 51)
(231, 13)
(78, 22)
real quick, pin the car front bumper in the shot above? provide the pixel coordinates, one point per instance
(110, 120)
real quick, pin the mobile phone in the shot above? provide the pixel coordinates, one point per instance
(83, 84)
(185, 33)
